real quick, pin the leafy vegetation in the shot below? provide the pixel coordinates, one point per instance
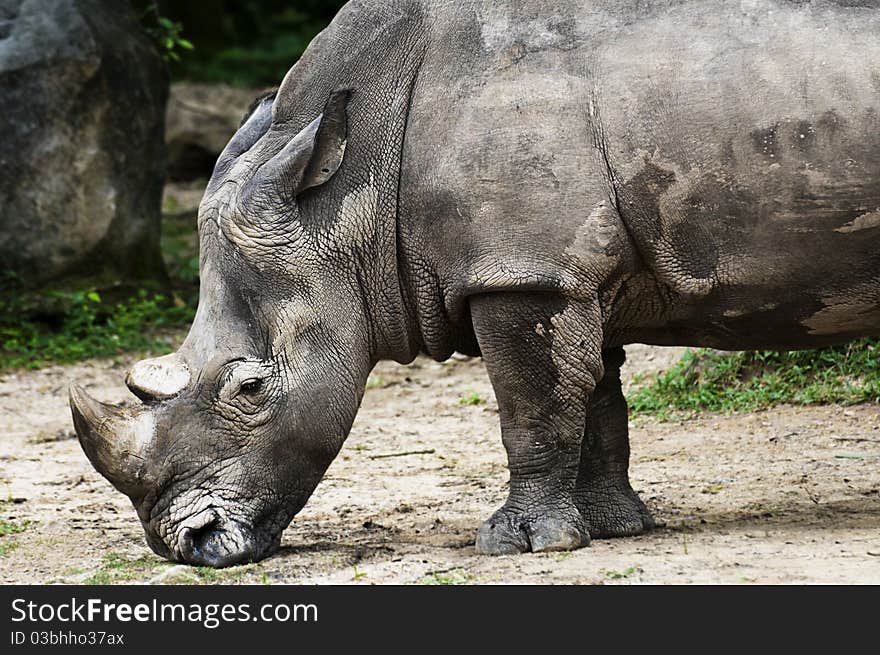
(180, 249)
(71, 324)
(748, 381)
(166, 33)
(246, 43)
(85, 327)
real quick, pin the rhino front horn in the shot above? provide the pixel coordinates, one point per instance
(115, 440)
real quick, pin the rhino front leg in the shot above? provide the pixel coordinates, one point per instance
(543, 355)
(603, 492)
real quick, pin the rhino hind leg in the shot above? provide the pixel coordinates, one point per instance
(603, 492)
(543, 354)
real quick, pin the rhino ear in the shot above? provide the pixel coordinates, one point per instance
(314, 155)
(329, 143)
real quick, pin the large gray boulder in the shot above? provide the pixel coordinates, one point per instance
(200, 121)
(82, 99)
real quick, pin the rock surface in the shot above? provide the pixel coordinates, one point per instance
(200, 121)
(82, 155)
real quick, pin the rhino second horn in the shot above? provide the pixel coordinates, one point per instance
(115, 440)
(160, 378)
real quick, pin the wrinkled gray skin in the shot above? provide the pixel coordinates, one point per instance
(539, 183)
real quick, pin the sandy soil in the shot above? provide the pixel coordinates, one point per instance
(790, 495)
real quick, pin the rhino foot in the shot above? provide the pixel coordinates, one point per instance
(509, 532)
(613, 510)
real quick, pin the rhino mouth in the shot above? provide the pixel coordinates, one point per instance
(213, 539)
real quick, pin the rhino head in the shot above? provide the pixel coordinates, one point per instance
(236, 429)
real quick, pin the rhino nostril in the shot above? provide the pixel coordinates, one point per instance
(194, 539)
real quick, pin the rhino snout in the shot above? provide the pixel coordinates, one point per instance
(213, 540)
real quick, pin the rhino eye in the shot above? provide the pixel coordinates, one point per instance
(251, 386)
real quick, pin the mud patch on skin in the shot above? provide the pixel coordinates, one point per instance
(600, 240)
(765, 142)
(804, 136)
(863, 222)
(675, 218)
(639, 201)
(846, 317)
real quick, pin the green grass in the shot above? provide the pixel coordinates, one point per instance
(99, 578)
(65, 325)
(86, 326)
(749, 381)
(207, 574)
(7, 547)
(234, 574)
(471, 399)
(13, 527)
(8, 528)
(457, 576)
(621, 575)
(116, 567)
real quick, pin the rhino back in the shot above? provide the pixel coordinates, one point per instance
(739, 142)
(744, 143)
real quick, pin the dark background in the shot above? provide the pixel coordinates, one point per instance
(249, 43)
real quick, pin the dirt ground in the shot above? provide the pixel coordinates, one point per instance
(790, 495)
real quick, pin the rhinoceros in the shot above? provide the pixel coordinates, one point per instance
(537, 183)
